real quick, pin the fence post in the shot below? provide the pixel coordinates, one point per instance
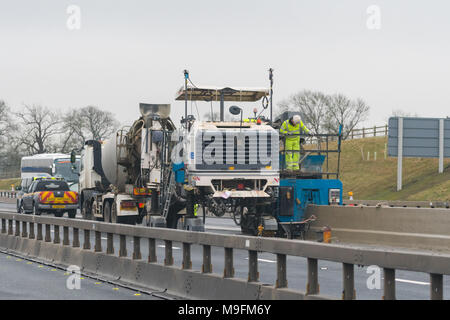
(39, 232)
(87, 240)
(436, 287)
(253, 274)
(66, 241)
(17, 228)
(187, 263)
(98, 241)
(109, 243)
(228, 271)
(10, 227)
(281, 271)
(168, 259)
(123, 246)
(206, 266)
(3, 225)
(364, 133)
(389, 284)
(312, 287)
(24, 229)
(152, 250)
(374, 131)
(76, 238)
(56, 234)
(349, 281)
(137, 248)
(32, 235)
(48, 235)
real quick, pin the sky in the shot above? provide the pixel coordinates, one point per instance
(394, 54)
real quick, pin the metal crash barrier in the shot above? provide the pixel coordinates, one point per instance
(8, 194)
(32, 235)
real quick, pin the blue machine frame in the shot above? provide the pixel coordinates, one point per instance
(296, 194)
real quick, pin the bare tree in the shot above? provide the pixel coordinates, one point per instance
(10, 153)
(38, 126)
(346, 112)
(312, 107)
(87, 123)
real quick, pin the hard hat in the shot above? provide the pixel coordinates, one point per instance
(296, 119)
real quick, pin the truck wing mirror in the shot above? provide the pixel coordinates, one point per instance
(73, 157)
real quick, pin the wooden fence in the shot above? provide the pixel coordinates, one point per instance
(369, 132)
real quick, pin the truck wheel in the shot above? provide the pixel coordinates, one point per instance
(36, 211)
(107, 211)
(72, 214)
(86, 212)
(59, 214)
(20, 207)
(114, 213)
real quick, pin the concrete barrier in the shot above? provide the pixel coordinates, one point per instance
(398, 203)
(183, 281)
(416, 228)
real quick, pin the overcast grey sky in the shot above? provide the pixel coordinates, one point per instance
(127, 52)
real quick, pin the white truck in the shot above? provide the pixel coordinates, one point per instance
(120, 177)
(231, 166)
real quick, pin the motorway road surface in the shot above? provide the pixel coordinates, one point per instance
(24, 279)
(410, 285)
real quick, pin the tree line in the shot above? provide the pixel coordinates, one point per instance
(38, 129)
(324, 113)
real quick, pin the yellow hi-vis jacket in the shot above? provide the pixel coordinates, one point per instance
(287, 128)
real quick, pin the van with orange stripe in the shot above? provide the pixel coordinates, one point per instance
(50, 196)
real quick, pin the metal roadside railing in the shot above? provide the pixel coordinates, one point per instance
(398, 203)
(32, 227)
(8, 194)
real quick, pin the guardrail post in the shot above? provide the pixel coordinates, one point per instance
(87, 240)
(253, 274)
(168, 259)
(3, 225)
(436, 286)
(31, 235)
(152, 251)
(24, 229)
(137, 248)
(66, 241)
(48, 235)
(76, 238)
(17, 233)
(123, 246)
(281, 271)
(187, 263)
(98, 241)
(207, 265)
(228, 271)
(10, 227)
(39, 232)
(312, 287)
(389, 284)
(349, 281)
(56, 231)
(109, 243)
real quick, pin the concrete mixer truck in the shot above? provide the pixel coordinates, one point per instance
(120, 178)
